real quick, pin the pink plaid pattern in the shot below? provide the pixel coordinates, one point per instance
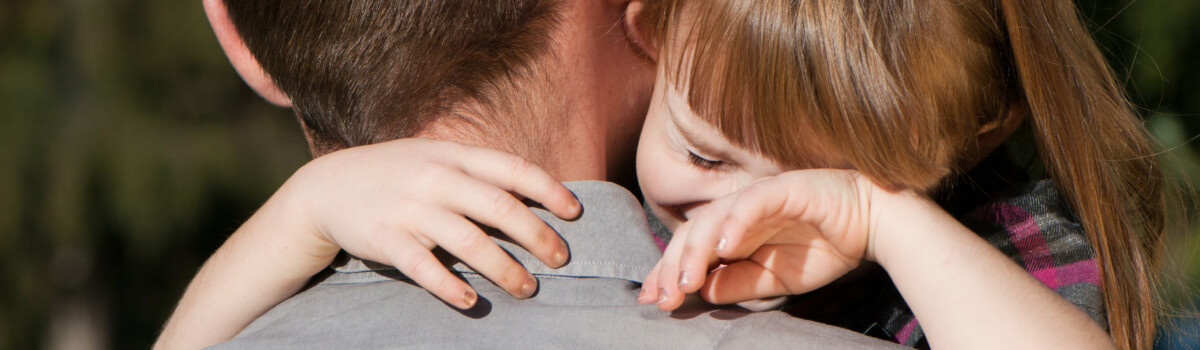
(1036, 253)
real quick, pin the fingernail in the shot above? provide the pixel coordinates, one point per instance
(574, 207)
(683, 278)
(641, 299)
(662, 295)
(560, 258)
(721, 244)
(528, 287)
(468, 299)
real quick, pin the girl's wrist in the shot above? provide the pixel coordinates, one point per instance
(900, 221)
(292, 232)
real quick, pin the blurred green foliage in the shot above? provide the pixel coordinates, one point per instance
(129, 149)
(1152, 45)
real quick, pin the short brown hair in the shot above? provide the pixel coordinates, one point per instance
(360, 72)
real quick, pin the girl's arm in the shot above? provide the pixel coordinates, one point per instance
(390, 203)
(800, 230)
(268, 259)
(965, 292)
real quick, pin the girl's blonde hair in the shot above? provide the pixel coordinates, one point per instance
(902, 89)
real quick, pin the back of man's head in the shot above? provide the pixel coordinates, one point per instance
(360, 72)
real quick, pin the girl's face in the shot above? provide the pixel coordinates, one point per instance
(683, 163)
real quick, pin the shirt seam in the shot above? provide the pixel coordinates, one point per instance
(721, 336)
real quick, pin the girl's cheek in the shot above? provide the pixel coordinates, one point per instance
(678, 184)
(657, 183)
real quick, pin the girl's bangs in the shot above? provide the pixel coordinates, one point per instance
(800, 85)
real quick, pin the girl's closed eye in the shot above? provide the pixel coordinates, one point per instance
(704, 163)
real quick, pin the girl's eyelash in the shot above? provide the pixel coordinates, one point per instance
(702, 162)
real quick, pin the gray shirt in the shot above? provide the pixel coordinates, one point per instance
(589, 303)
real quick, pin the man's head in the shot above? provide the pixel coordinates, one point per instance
(511, 74)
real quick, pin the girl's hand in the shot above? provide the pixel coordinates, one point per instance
(802, 229)
(395, 201)
(783, 235)
(390, 202)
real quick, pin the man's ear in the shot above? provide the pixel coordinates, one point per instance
(244, 62)
(640, 32)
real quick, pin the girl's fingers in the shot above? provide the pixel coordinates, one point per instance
(822, 204)
(741, 281)
(496, 208)
(699, 247)
(756, 214)
(414, 260)
(649, 292)
(764, 304)
(669, 297)
(517, 175)
(790, 266)
(469, 244)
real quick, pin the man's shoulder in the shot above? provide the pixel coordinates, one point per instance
(567, 312)
(589, 303)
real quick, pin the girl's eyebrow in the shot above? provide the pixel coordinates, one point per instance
(703, 144)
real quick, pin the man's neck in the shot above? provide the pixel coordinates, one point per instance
(559, 139)
(586, 113)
